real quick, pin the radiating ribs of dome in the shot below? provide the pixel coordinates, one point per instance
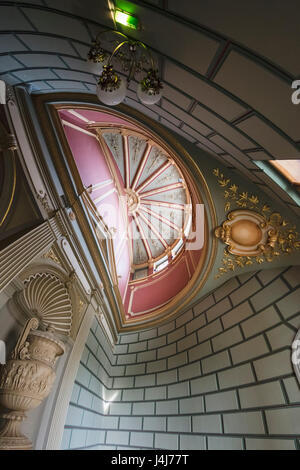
(156, 193)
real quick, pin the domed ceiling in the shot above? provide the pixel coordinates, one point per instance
(142, 197)
(156, 194)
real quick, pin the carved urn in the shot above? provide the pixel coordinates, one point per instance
(25, 380)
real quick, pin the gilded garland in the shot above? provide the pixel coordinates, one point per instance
(252, 233)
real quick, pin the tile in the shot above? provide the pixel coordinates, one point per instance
(280, 336)
(190, 442)
(236, 376)
(66, 439)
(156, 393)
(142, 439)
(78, 438)
(260, 322)
(259, 396)
(166, 351)
(207, 424)
(129, 338)
(226, 289)
(143, 109)
(217, 310)
(203, 305)
(195, 324)
(162, 330)
(269, 444)
(94, 437)
(178, 390)
(204, 384)
(284, 421)
(192, 405)
(176, 335)
(40, 60)
(186, 118)
(126, 359)
(83, 65)
(245, 291)
(221, 401)
(184, 318)
(147, 356)
(187, 342)
(148, 334)
(156, 366)
(292, 276)
(109, 422)
(74, 416)
(289, 305)
(200, 351)
(145, 380)
(124, 382)
(237, 314)
(133, 395)
(167, 377)
(157, 342)
(224, 443)
(120, 408)
(209, 331)
(177, 360)
(222, 127)
(273, 365)
(262, 89)
(74, 75)
(178, 98)
(249, 349)
(203, 92)
(226, 339)
(155, 424)
(8, 63)
(69, 85)
(12, 19)
(146, 408)
(243, 423)
(189, 371)
(179, 424)
(267, 275)
(9, 43)
(293, 389)
(166, 441)
(216, 362)
(117, 437)
(268, 138)
(48, 22)
(167, 407)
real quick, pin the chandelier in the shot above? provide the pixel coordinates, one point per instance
(134, 58)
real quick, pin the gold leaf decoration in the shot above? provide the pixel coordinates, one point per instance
(286, 238)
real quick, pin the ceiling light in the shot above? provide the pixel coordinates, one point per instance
(135, 59)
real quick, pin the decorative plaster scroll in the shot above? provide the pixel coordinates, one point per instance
(52, 256)
(15, 257)
(247, 233)
(252, 235)
(28, 156)
(73, 261)
(46, 297)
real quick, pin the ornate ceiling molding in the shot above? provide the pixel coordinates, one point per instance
(46, 297)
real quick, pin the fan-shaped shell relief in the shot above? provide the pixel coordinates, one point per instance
(46, 297)
(140, 192)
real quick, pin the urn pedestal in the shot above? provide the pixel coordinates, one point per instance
(25, 380)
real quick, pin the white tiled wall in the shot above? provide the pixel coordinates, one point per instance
(218, 377)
